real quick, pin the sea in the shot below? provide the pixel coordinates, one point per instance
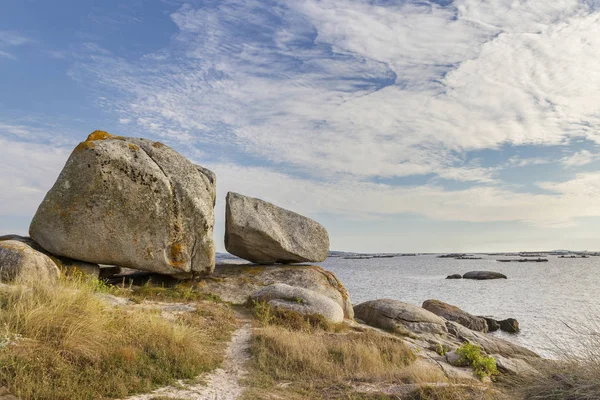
(557, 303)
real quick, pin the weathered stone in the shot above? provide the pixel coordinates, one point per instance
(492, 324)
(130, 202)
(300, 300)
(263, 233)
(509, 325)
(395, 315)
(66, 265)
(490, 344)
(235, 283)
(454, 276)
(453, 313)
(453, 358)
(514, 366)
(22, 263)
(483, 275)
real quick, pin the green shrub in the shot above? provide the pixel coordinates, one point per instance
(471, 356)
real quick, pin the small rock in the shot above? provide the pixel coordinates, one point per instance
(509, 325)
(483, 275)
(303, 301)
(492, 324)
(454, 276)
(263, 233)
(454, 358)
(113, 301)
(22, 263)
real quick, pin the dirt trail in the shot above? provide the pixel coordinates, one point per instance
(221, 384)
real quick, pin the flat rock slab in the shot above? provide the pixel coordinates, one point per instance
(395, 315)
(484, 275)
(133, 203)
(300, 300)
(264, 233)
(235, 283)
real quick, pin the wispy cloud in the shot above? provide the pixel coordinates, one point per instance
(580, 158)
(9, 40)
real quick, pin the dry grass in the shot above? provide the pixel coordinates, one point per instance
(62, 342)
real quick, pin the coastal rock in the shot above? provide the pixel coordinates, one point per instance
(490, 344)
(483, 275)
(22, 263)
(454, 276)
(395, 315)
(263, 233)
(130, 202)
(235, 283)
(492, 324)
(509, 325)
(303, 301)
(453, 313)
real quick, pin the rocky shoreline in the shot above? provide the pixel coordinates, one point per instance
(137, 204)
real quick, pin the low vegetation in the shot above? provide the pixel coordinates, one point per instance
(470, 355)
(63, 342)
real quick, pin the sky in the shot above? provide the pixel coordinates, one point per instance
(400, 125)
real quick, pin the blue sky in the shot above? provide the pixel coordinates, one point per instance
(400, 125)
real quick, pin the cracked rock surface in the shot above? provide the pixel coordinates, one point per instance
(130, 202)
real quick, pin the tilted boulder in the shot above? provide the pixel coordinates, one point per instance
(398, 316)
(300, 300)
(20, 262)
(133, 203)
(263, 233)
(235, 283)
(453, 313)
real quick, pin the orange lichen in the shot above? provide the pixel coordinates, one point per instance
(133, 147)
(158, 145)
(99, 135)
(177, 256)
(84, 146)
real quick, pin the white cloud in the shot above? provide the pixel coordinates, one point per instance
(9, 40)
(580, 158)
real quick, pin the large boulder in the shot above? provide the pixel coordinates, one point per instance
(235, 283)
(130, 202)
(263, 233)
(20, 262)
(509, 325)
(483, 275)
(453, 313)
(300, 300)
(397, 316)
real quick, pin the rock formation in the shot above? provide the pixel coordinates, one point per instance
(133, 203)
(263, 233)
(303, 301)
(397, 316)
(22, 263)
(453, 313)
(484, 275)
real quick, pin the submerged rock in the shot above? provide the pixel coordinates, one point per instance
(22, 263)
(509, 325)
(235, 283)
(454, 276)
(492, 324)
(483, 275)
(453, 313)
(130, 202)
(300, 300)
(397, 316)
(263, 233)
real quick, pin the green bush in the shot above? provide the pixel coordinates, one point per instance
(470, 355)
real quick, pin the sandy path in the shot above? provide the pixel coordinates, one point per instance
(223, 383)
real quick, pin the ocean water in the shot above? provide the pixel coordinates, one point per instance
(555, 302)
